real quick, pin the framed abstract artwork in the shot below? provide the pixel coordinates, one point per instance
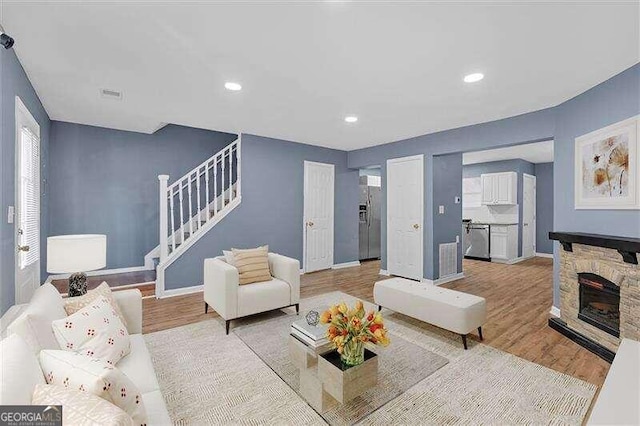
(606, 167)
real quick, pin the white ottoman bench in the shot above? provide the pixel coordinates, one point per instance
(449, 309)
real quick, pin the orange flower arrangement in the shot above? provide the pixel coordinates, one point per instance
(350, 329)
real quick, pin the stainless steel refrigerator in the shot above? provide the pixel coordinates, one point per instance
(370, 212)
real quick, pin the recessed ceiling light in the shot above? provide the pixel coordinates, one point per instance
(229, 85)
(472, 78)
(351, 119)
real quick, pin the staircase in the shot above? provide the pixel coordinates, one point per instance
(194, 204)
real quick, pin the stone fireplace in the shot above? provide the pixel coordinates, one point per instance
(599, 290)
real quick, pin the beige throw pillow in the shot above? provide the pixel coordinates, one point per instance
(81, 408)
(74, 304)
(252, 264)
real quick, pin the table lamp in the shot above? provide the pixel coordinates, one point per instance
(76, 254)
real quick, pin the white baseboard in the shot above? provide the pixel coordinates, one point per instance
(449, 278)
(346, 265)
(384, 272)
(555, 311)
(99, 272)
(518, 260)
(181, 291)
(549, 255)
(443, 280)
(301, 271)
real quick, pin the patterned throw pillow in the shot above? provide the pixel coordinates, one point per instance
(80, 408)
(95, 330)
(74, 304)
(79, 372)
(252, 265)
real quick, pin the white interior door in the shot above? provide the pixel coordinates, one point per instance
(27, 208)
(405, 206)
(318, 216)
(529, 216)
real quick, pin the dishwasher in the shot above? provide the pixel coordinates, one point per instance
(476, 241)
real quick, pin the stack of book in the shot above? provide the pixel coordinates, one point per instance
(312, 335)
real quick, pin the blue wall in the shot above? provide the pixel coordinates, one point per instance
(271, 211)
(544, 207)
(533, 127)
(518, 166)
(447, 184)
(609, 102)
(105, 181)
(14, 82)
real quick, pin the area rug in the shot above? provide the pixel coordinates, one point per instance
(209, 378)
(400, 366)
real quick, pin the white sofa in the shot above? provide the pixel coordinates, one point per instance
(619, 400)
(47, 304)
(231, 300)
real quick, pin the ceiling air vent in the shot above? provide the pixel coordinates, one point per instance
(111, 94)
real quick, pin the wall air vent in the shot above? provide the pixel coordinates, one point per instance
(111, 94)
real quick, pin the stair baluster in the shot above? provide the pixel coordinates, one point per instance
(230, 172)
(198, 176)
(190, 201)
(206, 188)
(215, 186)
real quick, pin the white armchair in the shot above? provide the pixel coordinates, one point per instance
(230, 300)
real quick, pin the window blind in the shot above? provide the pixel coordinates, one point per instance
(29, 197)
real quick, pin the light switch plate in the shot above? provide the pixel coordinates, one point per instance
(441, 209)
(457, 238)
(11, 212)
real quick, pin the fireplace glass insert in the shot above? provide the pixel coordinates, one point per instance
(599, 303)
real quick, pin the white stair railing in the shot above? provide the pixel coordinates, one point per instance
(191, 205)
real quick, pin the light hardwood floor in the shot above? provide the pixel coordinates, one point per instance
(518, 296)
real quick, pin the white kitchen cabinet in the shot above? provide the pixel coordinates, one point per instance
(504, 242)
(499, 189)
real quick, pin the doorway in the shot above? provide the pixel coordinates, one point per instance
(405, 216)
(319, 181)
(528, 215)
(27, 204)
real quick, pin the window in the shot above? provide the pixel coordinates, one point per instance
(29, 231)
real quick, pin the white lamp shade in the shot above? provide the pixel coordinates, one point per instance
(76, 253)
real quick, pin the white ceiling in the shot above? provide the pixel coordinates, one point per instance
(539, 152)
(304, 66)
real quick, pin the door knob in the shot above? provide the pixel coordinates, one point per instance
(416, 226)
(23, 248)
(309, 223)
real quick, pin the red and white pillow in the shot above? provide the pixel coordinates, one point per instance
(78, 372)
(95, 330)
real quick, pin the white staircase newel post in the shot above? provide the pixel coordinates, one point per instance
(164, 227)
